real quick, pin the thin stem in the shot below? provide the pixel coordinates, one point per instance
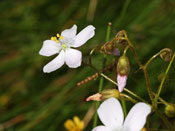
(149, 61)
(165, 120)
(132, 93)
(144, 70)
(163, 80)
(128, 97)
(109, 79)
(148, 85)
(161, 99)
(90, 54)
(125, 50)
(135, 54)
(101, 78)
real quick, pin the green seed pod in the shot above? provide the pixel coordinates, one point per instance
(109, 93)
(166, 54)
(123, 66)
(170, 110)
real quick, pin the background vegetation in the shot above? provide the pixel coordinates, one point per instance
(33, 101)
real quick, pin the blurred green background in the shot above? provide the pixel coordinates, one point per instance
(33, 101)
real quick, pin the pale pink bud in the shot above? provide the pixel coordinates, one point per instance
(121, 80)
(95, 97)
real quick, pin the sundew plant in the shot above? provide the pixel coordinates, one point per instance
(110, 111)
(87, 65)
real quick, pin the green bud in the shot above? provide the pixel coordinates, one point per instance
(110, 93)
(123, 66)
(170, 110)
(166, 54)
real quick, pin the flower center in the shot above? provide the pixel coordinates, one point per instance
(64, 46)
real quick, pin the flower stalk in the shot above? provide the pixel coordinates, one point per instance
(101, 78)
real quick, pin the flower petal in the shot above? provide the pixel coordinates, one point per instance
(111, 113)
(69, 33)
(78, 122)
(136, 118)
(69, 125)
(84, 36)
(101, 128)
(73, 58)
(55, 63)
(49, 48)
(121, 80)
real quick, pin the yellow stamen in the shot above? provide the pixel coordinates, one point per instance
(58, 35)
(61, 37)
(53, 38)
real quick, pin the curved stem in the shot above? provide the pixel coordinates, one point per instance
(163, 80)
(125, 50)
(149, 61)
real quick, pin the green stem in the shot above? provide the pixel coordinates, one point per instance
(124, 107)
(163, 80)
(165, 120)
(126, 97)
(149, 61)
(125, 50)
(101, 78)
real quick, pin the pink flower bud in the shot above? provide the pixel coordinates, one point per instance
(121, 80)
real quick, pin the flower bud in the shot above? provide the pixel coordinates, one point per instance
(108, 93)
(170, 110)
(123, 66)
(103, 95)
(110, 48)
(95, 97)
(166, 54)
(121, 37)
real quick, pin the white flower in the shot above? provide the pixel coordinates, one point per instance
(62, 45)
(111, 115)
